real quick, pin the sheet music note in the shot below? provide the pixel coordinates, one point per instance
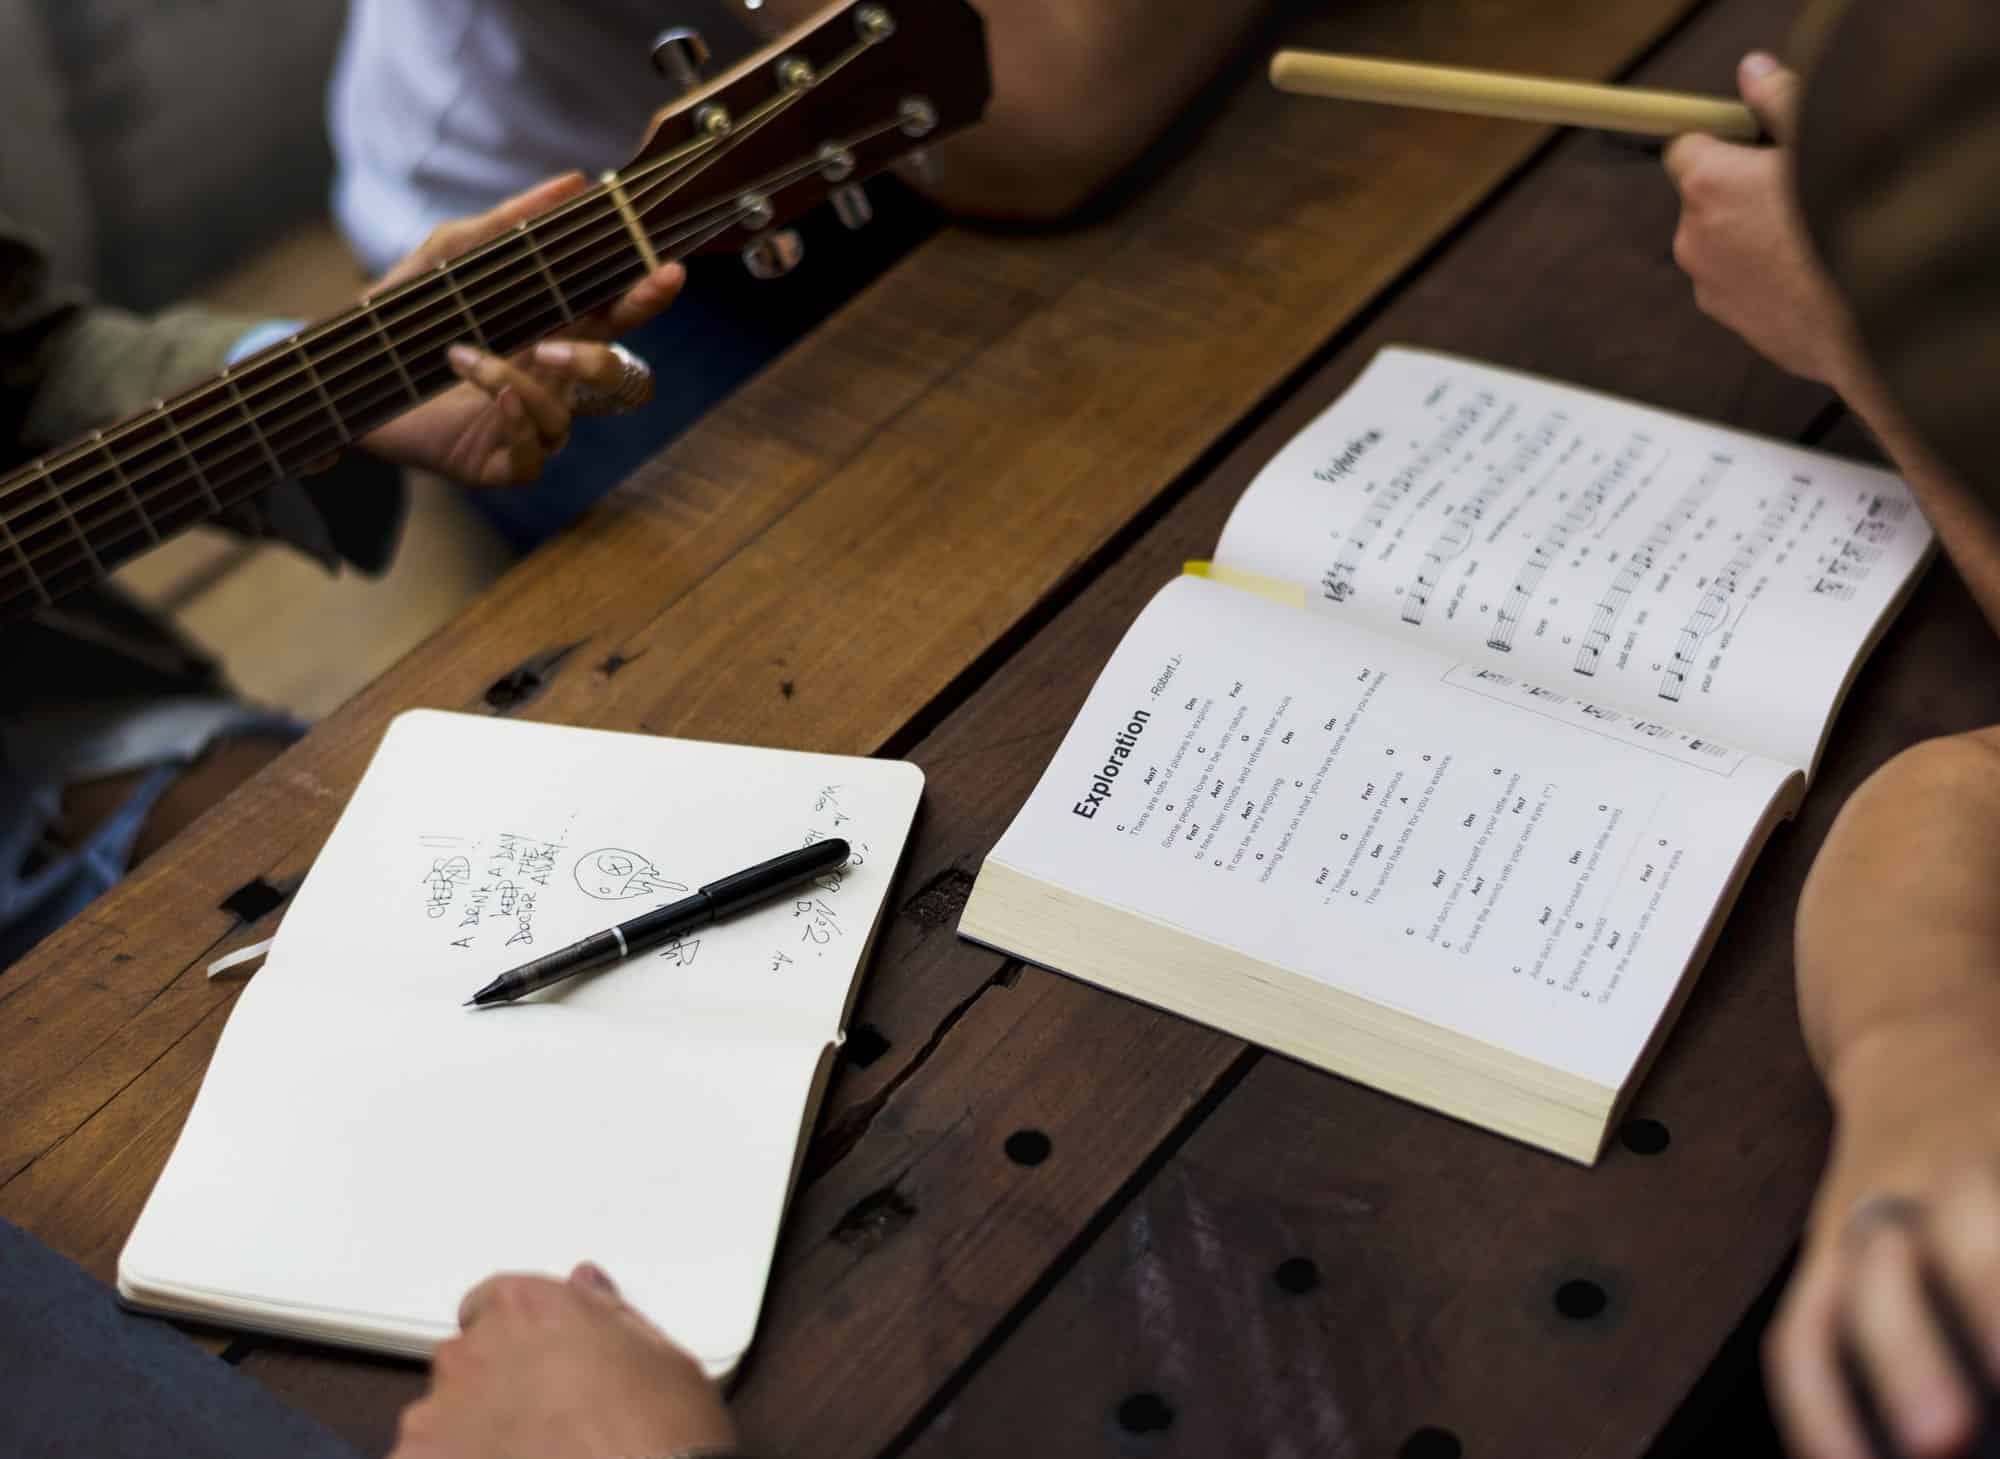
(1521, 866)
(1712, 579)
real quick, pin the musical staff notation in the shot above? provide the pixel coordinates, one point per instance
(1841, 574)
(1713, 609)
(1641, 561)
(1582, 512)
(1337, 582)
(1460, 526)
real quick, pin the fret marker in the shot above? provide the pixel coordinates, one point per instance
(639, 238)
(555, 289)
(118, 470)
(375, 323)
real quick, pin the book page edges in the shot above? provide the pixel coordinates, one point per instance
(1891, 611)
(1784, 806)
(1357, 1038)
(1262, 1003)
(354, 1330)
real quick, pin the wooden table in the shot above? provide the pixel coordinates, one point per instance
(920, 534)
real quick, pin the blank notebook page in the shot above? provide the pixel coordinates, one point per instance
(364, 1148)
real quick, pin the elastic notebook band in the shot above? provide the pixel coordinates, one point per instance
(241, 956)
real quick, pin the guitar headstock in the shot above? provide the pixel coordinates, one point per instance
(815, 111)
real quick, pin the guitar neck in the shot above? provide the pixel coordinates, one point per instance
(833, 101)
(73, 516)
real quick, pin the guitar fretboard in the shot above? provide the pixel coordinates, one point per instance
(73, 516)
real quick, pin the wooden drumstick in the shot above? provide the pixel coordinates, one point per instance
(1518, 98)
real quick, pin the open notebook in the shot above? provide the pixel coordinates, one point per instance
(364, 1149)
(1453, 798)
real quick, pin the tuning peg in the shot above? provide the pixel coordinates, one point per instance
(851, 206)
(773, 255)
(679, 54)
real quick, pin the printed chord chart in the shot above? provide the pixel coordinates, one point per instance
(1641, 561)
(1713, 609)
(1337, 583)
(1461, 524)
(1580, 515)
(1879, 522)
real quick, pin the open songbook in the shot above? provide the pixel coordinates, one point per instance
(364, 1148)
(1445, 773)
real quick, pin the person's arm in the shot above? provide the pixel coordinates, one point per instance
(1743, 245)
(1898, 955)
(67, 367)
(1080, 89)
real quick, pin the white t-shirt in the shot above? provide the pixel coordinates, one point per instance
(441, 108)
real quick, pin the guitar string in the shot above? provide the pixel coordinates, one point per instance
(443, 314)
(69, 551)
(165, 445)
(654, 190)
(241, 475)
(371, 307)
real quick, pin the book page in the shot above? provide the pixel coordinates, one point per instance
(1683, 572)
(475, 844)
(364, 1147)
(354, 1191)
(1447, 842)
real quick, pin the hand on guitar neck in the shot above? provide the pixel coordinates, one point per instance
(449, 363)
(499, 427)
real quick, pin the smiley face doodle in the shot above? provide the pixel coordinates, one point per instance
(614, 875)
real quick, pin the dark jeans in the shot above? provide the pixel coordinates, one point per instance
(83, 1378)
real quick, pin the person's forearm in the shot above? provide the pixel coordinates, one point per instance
(1080, 89)
(1899, 923)
(1968, 531)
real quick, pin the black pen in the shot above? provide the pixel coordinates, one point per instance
(663, 924)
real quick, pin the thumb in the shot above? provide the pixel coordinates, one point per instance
(592, 1278)
(1772, 92)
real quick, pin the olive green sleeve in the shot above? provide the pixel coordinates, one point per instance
(68, 367)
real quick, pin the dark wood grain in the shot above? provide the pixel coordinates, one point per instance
(896, 499)
(919, 1236)
(860, 524)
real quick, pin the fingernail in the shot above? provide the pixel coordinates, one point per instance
(462, 356)
(1759, 64)
(555, 352)
(590, 1274)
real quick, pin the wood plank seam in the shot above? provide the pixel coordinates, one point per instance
(831, 1144)
(1074, 584)
(1073, 1251)
(819, 488)
(61, 1140)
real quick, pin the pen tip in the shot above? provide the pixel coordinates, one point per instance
(472, 1003)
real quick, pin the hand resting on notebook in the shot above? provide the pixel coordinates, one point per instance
(543, 1369)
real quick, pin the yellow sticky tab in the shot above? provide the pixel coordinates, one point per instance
(1278, 590)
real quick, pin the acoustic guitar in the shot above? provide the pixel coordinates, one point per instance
(805, 117)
